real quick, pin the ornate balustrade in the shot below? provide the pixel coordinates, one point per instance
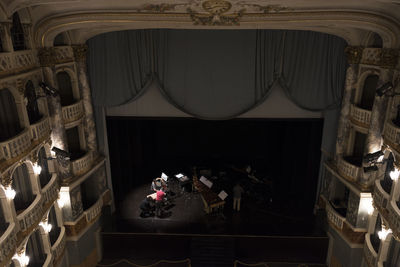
(59, 246)
(369, 253)
(8, 243)
(50, 191)
(394, 218)
(72, 112)
(391, 135)
(18, 61)
(63, 54)
(82, 165)
(16, 145)
(31, 216)
(360, 116)
(94, 211)
(380, 196)
(347, 170)
(40, 129)
(334, 217)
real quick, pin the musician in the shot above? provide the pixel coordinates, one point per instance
(158, 184)
(159, 202)
(147, 207)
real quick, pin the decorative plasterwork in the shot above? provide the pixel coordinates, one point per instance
(353, 54)
(80, 52)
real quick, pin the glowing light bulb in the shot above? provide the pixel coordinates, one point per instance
(37, 169)
(46, 226)
(383, 233)
(10, 193)
(394, 175)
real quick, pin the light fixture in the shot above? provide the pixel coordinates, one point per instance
(10, 193)
(394, 175)
(385, 88)
(374, 157)
(366, 203)
(46, 226)
(22, 259)
(383, 233)
(37, 169)
(63, 197)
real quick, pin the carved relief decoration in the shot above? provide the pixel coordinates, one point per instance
(353, 54)
(213, 12)
(80, 52)
(352, 209)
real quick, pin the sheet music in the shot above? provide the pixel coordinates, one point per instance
(164, 176)
(222, 195)
(180, 175)
(205, 181)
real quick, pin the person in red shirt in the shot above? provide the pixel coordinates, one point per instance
(159, 202)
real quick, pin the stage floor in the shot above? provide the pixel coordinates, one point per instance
(188, 217)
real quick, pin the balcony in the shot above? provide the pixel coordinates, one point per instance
(17, 61)
(348, 170)
(8, 243)
(40, 129)
(50, 191)
(360, 116)
(391, 135)
(72, 112)
(82, 165)
(32, 215)
(94, 211)
(63, 54)
(58, 248)
(370, 254)
(380, 196)
(15, 146)
(334, 217)
(394, 218)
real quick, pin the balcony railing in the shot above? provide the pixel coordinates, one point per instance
(82, 165)
(360, 115)
(347, 170)
(392, 134)
(72, 112)
(334, 217)
(370, 254)
(31, 215)
(50, 191)
(8, 242)
(394, 218)
(59, 246)
(16, 145)
(380, 196)
(63, 54)
(94, 211)
(18, 60)
(40, 129)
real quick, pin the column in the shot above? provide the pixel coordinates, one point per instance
(6, 36)
(89, 124)
(58, 134)
(353, 54)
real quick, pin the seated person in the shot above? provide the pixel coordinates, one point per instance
(159, 202)
(147, 207)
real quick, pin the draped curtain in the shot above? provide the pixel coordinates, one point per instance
(219, 74)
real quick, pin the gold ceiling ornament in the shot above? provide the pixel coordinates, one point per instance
(353, 54)
(215, 15)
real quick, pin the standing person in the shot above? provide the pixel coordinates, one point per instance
(237, 195)
(159, 202)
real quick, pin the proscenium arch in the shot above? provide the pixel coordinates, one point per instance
(388, 29)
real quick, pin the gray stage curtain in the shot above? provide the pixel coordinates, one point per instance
(120, 66)
(217, 74)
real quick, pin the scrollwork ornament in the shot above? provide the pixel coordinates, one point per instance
(80, 52)
(353, 54)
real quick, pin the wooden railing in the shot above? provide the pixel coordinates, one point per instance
(40, 129)
(380, 196)
(59, 246)
(394, 218)
(72, 112)
(94, 211)
(8, 242)
(50, 191)
(82, 165)
(360, 115)
(370, 254)
(31, 215)
(17, 61)
(392, 134)
(16, 145)
(347, 170)
(334, 217)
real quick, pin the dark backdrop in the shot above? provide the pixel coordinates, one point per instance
(285, 151)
